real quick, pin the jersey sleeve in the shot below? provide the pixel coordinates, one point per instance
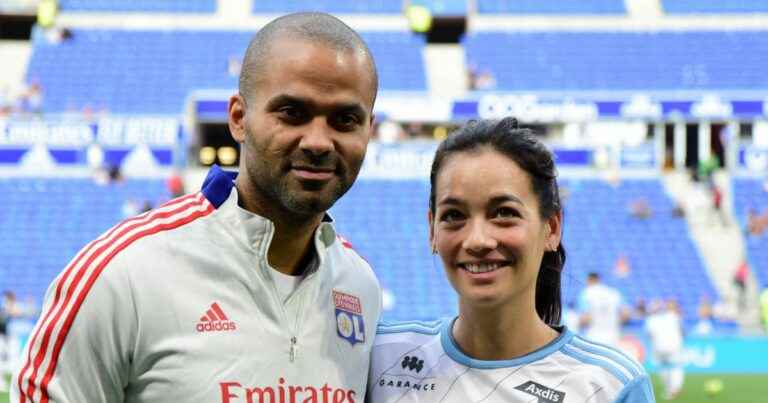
(80, 348)
(637, 391)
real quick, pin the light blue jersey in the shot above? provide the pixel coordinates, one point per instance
(421, 362)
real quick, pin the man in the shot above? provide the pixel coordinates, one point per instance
(242, 292)
(665, 328)
(603, 311)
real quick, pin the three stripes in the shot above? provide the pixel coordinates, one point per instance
(75, 282)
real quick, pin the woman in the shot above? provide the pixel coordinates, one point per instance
(496, 221)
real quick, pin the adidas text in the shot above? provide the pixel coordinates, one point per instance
(216, 327)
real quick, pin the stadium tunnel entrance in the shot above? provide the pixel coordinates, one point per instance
(214, 145)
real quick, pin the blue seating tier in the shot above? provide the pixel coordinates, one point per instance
(46, 221)
(153, 72)
(551, 7)
(618, 61)
(328, 6)
(386, 221)
(143, 6)
(714, 7)
(749, 195)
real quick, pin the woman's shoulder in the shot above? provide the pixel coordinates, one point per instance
(608, 367)
(390, 334)
(431, 327)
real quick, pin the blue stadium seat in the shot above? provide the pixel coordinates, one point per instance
(143, 6)
(551, 7)
(52, 219)
(714, 7)
(646, 61)
(749, 194)
(328, 6)
(153, 72)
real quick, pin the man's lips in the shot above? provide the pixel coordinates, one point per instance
(313, 173)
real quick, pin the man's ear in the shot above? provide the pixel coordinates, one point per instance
(236, 113)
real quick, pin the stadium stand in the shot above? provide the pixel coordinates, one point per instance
(52, 218)
(647, 61)
(551, 7)
(443, 7)
(714, 7)
(140, 6)
(153, 72)
(328, 6)
(749, 194)
(594, 239)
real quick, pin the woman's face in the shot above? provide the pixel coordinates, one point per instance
(487, 228)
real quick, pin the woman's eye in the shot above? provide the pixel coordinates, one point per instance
(451, 216)
(507, 212)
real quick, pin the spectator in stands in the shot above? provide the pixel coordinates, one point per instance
(705, 312)
(756, 223)
(495, 219)
(764, 307)
(390, 131)
(244, 288)
(6, 102)
(114, 173)
(31, 99)
(480, 79)
(717, 204)
(234, 66)
(740, 278)
(175, 185)
(9, 310)
(639, 208)
(678, 211)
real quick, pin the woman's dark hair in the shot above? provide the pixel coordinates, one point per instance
(522, 146)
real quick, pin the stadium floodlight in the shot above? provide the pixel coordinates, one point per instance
(207, 155)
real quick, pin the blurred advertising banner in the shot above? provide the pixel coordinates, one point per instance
(413, 159)
(707, 354)
(109, 141)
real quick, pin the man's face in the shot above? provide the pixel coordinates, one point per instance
(305, 130)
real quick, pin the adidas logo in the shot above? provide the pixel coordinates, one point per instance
(215, 320)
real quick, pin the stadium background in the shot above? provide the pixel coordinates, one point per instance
(647, 104)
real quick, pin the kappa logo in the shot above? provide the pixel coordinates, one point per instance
(545, 394)
(413, 363)
(215, 320)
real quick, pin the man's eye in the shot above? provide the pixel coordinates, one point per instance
(347, 120)
(291, 112)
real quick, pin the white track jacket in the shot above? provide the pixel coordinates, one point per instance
(178, 305)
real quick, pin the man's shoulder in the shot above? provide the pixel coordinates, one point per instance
(143, 238)
(348, 256)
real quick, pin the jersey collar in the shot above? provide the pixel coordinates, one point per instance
(219, 188)
(452, 349)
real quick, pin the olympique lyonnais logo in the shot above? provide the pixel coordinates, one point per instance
(545, 394)
(235, 392)
(349, 317)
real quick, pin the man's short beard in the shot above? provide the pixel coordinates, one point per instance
(286, 200)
